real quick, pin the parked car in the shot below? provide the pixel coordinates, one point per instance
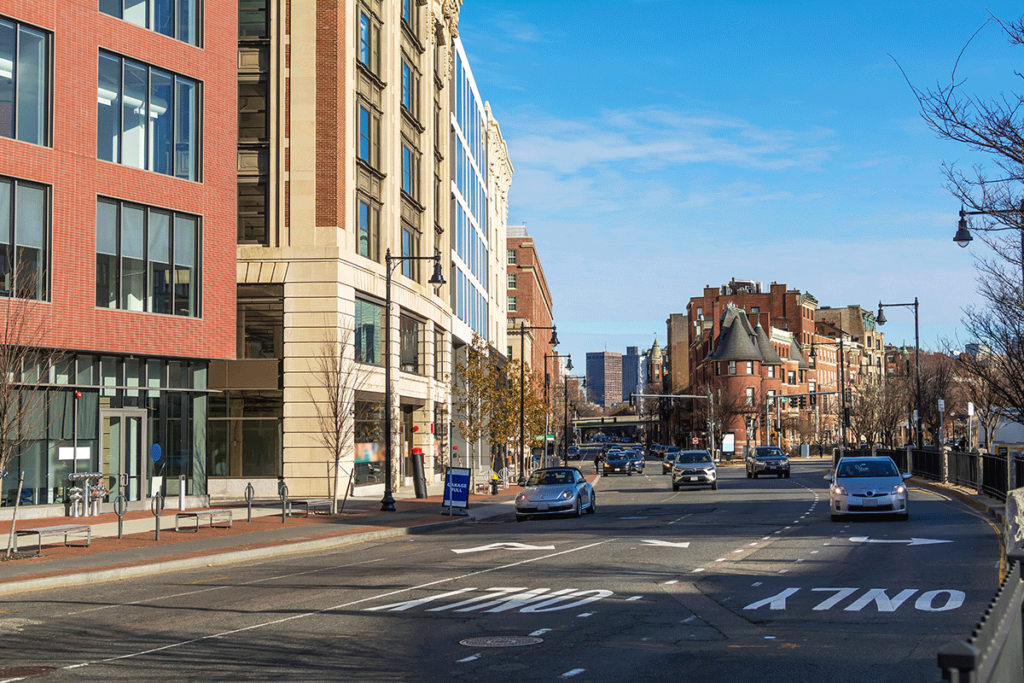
(636, 461)
(868, 485)
(694, 468)
(615, 462)
(555, 490)
(667, 461)
(767, 460)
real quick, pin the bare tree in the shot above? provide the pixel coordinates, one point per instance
(337, 378)
(473, 391)
(980, 376)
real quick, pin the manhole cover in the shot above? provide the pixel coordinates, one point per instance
(501, 641)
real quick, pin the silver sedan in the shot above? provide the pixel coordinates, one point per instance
(868, 486)
(554, 491)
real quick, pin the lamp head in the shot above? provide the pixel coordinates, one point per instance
(568, 363)
(880, 318)
(554, 337)
(963, 234)
(437, 279)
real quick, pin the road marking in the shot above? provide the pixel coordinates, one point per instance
(570, 674)
(503, 546)
(467, 659)
(698, 570)
(669, 583)
(754, 543)
(632, 518)
(540, 632)
(585, 615)
(756, 584)
(721, 559)
(666, 544)
(635, 597)
(912, 541)
(943, 600)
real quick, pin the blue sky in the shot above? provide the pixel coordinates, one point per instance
(660, 146)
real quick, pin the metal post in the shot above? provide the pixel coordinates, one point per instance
(250, 493)
(157, 508)
(522, 397)
(778, 424)
(387, 503)
(917, 362)
(282, 491)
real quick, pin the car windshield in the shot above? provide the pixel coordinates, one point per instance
(867, 468)
(693, 456)
(764, 452)
(551, 478)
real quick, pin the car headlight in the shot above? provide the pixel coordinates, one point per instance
(839, 490)
(898, 490)
(521, 497)
(566, 494)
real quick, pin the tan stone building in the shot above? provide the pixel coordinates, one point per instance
(343, 157)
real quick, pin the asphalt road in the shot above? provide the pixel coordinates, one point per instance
(752, 582)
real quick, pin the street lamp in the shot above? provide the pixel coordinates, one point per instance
(842, 377)
(387, 503)
(880, 318)
(523, 329)
(963, 232)
(568, 366)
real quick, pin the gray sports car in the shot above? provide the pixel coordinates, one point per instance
(554, 491)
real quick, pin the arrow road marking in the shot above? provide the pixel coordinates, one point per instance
(668, 544)
(912, 541)
(503, 546)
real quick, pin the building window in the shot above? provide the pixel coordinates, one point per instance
(178, 19)
(512, 304)
(791, 377)
(252, 112)
(369, 136)
(252, 210)
(771, 372)
(511, 280)
(410, 171)
(252, 19)
(24, 83)
(732, 367)
(148, 118)
(147, 259)
(439, 352)
(750, 367)
(511, 253)
(410, 89)
(369, 342)
(750, 396)
(509, 355)
(369, 42)
(409, 343)
(410, 17)
(24, 239)
(410, 249)
(368, 239)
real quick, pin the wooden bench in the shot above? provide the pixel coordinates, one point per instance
(199, 514)
(60, 530)
(313, 504)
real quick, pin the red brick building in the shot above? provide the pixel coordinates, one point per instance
(117, 203)
(529, 302)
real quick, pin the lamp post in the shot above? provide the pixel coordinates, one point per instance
(523, 328)
(963, 233)
(568, 366)
(387, 503)
(917, 358)
(842, 378)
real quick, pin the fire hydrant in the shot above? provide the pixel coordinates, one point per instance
(494, 484)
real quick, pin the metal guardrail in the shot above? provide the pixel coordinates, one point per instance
(993, 475)
(994, 653)
(962, 469)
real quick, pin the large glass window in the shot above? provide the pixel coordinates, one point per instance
(369, 41)
(252, 19)
(252, 210)
(148, 118)
(24, 239)
(368, 238)
(24, 83)
(410, 89)
(369, 135)
(409, 334)
(252, 111)
(177, 19)
(146, 259)
(410, 248)
(410, 171)
(369, 341)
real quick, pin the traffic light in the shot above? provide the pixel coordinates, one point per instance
(632, 400)
(802, 402)
(814, 399)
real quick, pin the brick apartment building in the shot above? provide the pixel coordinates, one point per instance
(529, 303)
(117, 215)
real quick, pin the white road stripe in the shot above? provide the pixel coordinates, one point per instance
(574, 672)
(467, 659)
(540, 632)
(635, 597)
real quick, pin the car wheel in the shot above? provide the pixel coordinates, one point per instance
(714, 485)
(579, 506)
(755, 475)
(748, 474)
(675, 486)
(593, 504)
(787, 475)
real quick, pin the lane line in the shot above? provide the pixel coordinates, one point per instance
(570, 674)
(467, 659)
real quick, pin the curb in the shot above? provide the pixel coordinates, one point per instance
(216, 559)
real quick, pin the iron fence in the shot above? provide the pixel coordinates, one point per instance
(993, 475)
(962, 469)
(927, 464)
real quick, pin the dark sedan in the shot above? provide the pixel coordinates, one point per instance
(616, 462)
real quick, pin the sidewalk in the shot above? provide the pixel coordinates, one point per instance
(138, 553)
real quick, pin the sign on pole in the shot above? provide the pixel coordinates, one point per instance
(942, 406)
(970, 410)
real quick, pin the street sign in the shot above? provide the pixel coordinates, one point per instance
(155, 452)
(456, 488)
(696, 441)
(970, 410)
(942, 406)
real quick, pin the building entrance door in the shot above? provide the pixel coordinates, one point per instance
(123, 452)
